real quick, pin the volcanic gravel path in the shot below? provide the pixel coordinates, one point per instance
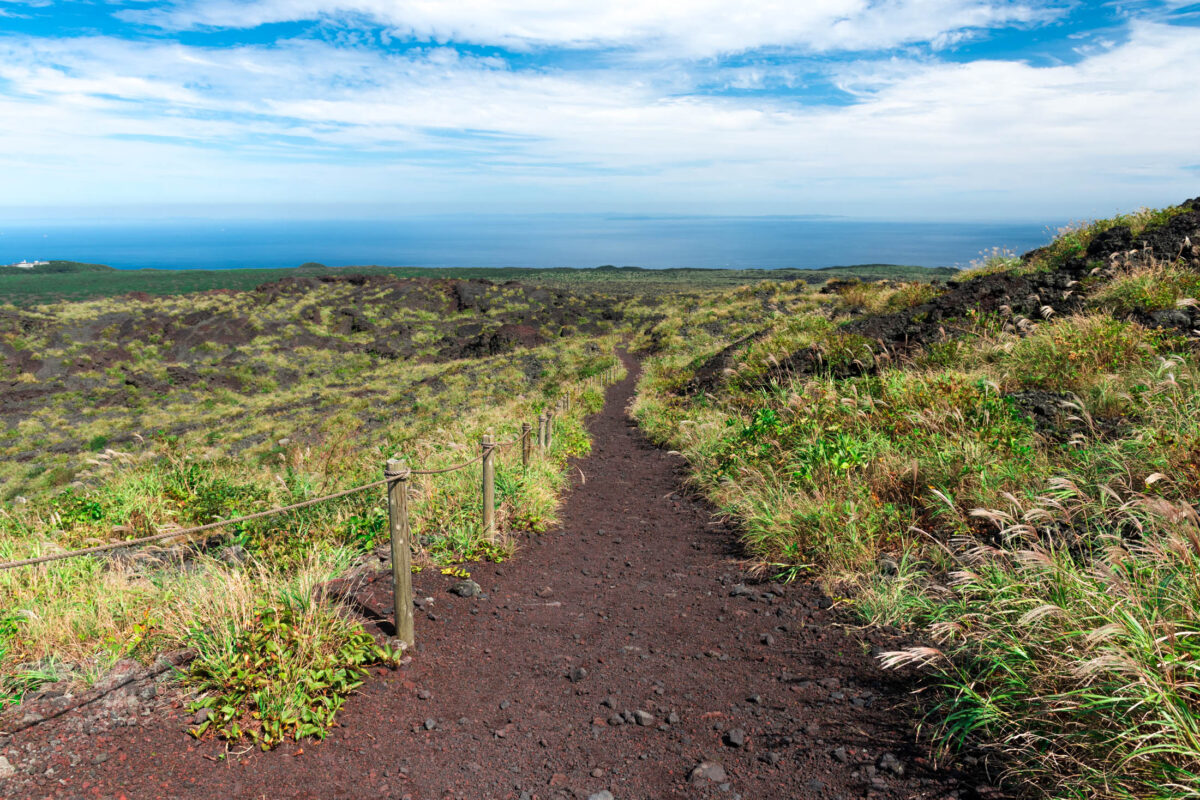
(618, 656)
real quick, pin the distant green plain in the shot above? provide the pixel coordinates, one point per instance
(68, 280)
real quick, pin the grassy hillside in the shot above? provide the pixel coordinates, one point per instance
(123, 417)
(63, 280)
(1005, 465)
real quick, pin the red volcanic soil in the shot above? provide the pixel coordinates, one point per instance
(621, 655)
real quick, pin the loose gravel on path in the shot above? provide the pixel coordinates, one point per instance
(619, 656)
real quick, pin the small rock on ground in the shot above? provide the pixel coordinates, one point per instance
(466, 588)
(710, 771)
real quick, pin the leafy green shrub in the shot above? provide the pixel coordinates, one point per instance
(1155, 287)
(912, 294)
(365, 529)
(73, 506)
(847, 352)
(204, 495)
(1071, 353)
(287, 676)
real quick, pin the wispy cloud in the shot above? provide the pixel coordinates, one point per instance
(690, 29)
(462, 111)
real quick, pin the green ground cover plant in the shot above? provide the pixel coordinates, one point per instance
(1019, 492)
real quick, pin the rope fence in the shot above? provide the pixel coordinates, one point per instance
(396, 477)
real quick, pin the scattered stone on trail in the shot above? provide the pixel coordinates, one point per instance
(466, 588)
(7, 770)
(121, 672)
(889, 762)
(603, 795)
(577, 674)
(709, 771)
(756, 699)
(840, 754)
(430, 724)
(741, 590)
(735, 738)
(545, 591)
(202, 716)
(425, 694)
(597, 773)
(767, 639)
(644, 718)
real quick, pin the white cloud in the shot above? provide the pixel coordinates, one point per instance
(688, 28)
(107, 120)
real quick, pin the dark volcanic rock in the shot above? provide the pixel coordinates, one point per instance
(466, 588)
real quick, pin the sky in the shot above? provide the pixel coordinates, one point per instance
(883, 109)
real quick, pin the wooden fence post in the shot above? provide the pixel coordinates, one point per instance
(549, 430)
(398, 473)
(542, 431)
(488, 447)
(526, 445)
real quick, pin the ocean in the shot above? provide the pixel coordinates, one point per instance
(518, 241)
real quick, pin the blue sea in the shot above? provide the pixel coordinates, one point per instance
(518, 241)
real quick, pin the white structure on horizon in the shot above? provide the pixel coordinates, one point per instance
(28, 264)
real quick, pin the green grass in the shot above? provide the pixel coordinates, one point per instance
(1050, 566)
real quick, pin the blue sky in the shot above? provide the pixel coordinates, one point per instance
(896, 109)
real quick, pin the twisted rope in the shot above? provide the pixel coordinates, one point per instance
(444, 470)
(158, 537)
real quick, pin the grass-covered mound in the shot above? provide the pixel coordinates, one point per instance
(124, 417)
(1005, 465)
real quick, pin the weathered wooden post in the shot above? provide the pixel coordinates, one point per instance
(488, 446)
(549, 430)
(542, 431)
(397, 474)
(526, 444)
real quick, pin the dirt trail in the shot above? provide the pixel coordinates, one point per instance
(615, 654)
